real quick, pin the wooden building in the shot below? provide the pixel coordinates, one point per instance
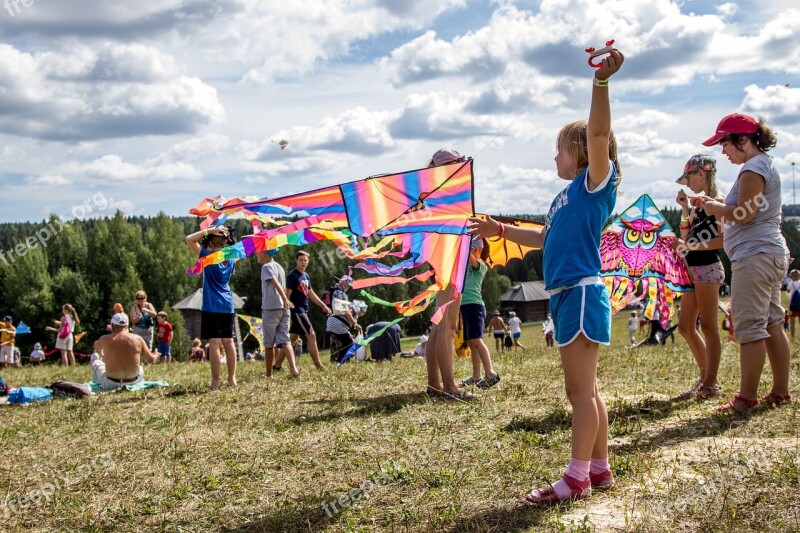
(191, 306)
(528, 300)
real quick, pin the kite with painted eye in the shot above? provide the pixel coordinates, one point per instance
(638, 262)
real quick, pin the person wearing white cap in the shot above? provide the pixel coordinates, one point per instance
(116, 361)
(37, 355)
(699, 243)
(515, 325)
(500, 330)
(342, 319)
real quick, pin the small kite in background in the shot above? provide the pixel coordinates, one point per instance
(283, 143)
(254, 329)
(638, 263)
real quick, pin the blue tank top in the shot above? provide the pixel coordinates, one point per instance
(573, 226)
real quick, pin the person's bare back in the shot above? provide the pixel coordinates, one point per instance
(122, 352)
(497, 324)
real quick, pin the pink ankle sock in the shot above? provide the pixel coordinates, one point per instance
(577, 469)
(599, 466)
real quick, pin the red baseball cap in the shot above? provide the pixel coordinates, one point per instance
(733, 123)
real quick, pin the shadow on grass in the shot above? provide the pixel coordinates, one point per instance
(389, 403)
(558, 418)
(620, 413)
(625, 417)
(305, 514)
(708, 426)
(522, 517)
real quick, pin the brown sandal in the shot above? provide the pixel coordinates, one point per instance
(691, 391)
(708, 392)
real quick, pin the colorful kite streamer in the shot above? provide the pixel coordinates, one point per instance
(419, 216)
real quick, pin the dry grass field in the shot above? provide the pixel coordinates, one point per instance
(362, 448)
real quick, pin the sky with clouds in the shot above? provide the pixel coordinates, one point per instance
(157, 104)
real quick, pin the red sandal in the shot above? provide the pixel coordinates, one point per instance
(602, 481)
(775, 400)
(548, 496)
(730, 407)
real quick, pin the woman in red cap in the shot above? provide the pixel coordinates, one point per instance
(759, 257)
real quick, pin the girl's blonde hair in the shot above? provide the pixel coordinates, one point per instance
(67, 308)
(195, 343)
(573, 140)
(711, 180)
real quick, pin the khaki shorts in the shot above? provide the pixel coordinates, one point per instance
(275, 327)
(7, 354)
(756, 295)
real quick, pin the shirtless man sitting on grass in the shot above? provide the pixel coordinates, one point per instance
(116, 358)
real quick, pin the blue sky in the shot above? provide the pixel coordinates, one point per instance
(158, 104)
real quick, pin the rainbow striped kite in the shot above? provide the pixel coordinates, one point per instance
(419, 216)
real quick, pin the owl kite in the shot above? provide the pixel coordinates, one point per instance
(638, 262)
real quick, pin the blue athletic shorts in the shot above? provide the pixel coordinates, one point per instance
(586, 310)
(164, 349)
(473, 316)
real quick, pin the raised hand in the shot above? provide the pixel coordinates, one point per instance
(611, 64)
(682, 199)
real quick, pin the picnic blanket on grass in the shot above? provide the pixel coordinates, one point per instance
(95, 387)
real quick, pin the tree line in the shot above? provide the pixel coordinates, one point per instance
(94, 263)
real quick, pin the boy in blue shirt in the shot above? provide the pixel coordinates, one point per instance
(298, 288)
(216, 320)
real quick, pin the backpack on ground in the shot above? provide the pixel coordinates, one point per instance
(69, 389)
